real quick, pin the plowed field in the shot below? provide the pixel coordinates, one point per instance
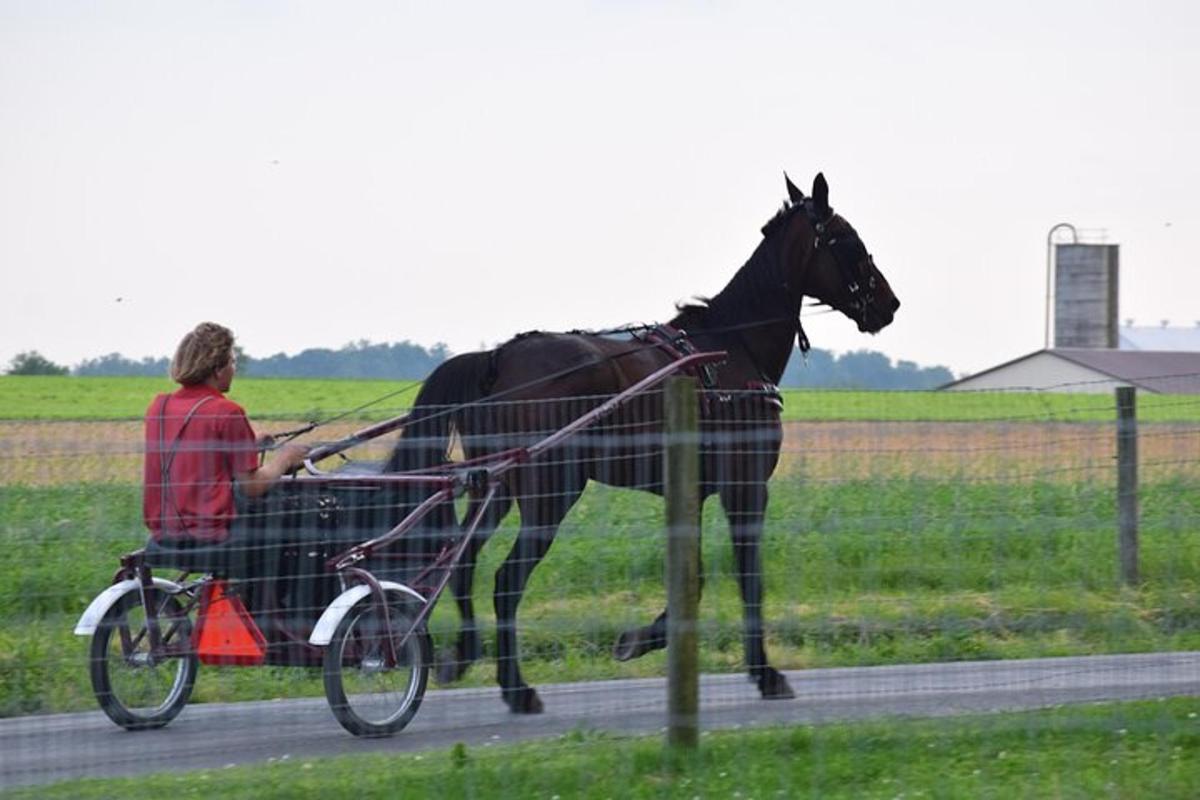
(53, 453)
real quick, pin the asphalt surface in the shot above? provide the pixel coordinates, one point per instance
(43, 749)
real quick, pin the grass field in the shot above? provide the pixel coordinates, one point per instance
(28, 397)
(1129, 750)
(74, 398)
(887, 541)
(860, 572)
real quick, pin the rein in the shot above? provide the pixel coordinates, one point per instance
(274, 440)
(838, 248)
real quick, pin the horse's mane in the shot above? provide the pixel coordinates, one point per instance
(758, 282)
(774, 222)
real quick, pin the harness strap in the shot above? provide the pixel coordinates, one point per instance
(167, 457)
(677, 345)
(802, 338)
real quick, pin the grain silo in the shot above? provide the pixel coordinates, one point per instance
(1085, 295)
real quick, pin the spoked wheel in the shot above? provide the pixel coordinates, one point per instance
(369, 696)
(137, 688)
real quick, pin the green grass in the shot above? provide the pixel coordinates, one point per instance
(73, 398)
(1126, 750)
(832, 404)
(867, 572)
(36, 397)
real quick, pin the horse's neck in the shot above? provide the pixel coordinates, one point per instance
(754, 313)
(770, 348)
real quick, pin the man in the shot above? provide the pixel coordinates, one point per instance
(201, 457)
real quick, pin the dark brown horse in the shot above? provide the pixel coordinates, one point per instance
(488, 400)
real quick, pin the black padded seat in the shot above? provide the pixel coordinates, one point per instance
(226, 560)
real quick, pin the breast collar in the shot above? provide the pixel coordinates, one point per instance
(676, 343)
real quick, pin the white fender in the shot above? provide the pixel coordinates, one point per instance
(107, 599)
(323, 632)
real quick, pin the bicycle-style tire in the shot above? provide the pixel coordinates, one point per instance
(135, 690)
(368, 698)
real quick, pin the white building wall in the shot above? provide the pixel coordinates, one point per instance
(1161, 338)
(1040, 371)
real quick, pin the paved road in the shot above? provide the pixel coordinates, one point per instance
(51, 748)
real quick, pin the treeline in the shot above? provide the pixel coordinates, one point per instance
(362, 359)
(861, 369)
(821, 369)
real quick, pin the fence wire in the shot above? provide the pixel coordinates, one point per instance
(920, 555)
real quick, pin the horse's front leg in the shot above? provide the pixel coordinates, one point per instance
(745, 506)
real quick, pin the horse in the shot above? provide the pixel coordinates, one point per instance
(489, 400)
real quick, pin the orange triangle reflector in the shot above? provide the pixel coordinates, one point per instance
(225, 631)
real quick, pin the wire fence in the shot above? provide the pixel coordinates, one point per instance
(908, 566)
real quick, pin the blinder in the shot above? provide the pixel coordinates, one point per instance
(848, 253)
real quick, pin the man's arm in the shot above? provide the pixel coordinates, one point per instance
(258, 482)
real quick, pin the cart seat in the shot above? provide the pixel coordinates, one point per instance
(228, 560)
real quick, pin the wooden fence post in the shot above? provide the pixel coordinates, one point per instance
(1127, 484)
(681, 477)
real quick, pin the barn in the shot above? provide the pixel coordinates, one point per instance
(1066, 369)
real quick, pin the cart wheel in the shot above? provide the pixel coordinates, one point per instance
(368, 697)
(139, 691)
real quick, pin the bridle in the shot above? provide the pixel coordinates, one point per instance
(846, 252)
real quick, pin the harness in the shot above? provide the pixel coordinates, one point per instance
(845, 252)
(675, 343)
(167, 457)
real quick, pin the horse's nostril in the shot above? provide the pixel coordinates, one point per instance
(895, 305)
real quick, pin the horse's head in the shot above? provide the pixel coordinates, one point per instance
(841, 273)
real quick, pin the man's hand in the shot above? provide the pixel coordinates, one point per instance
(288, 458)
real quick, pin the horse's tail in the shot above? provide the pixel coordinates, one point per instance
(438, 411)
(425, 440)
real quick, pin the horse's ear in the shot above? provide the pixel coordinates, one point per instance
(821, 194)
(794, 194)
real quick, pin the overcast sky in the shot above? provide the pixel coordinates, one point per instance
(315, 174)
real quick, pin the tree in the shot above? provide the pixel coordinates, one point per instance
(31, 362)
(117, 364)
(244, 361)
(860, 369)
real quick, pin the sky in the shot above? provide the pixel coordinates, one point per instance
(317, 174)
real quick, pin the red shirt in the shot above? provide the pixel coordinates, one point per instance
(203, 453)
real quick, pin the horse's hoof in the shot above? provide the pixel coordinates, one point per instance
(774, 686)
(633, 644)
(626, 646)
(449, 668)
(523, 700)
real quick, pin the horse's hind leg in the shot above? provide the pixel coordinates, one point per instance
(540, 518)
(745, 506)
(452, 664)
(636, 642)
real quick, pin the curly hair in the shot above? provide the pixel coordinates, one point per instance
(204, 351)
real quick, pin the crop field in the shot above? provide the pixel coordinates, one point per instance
(70, 398)
(888, 540)
(49, 453)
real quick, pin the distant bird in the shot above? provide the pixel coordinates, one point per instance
(119, 299)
